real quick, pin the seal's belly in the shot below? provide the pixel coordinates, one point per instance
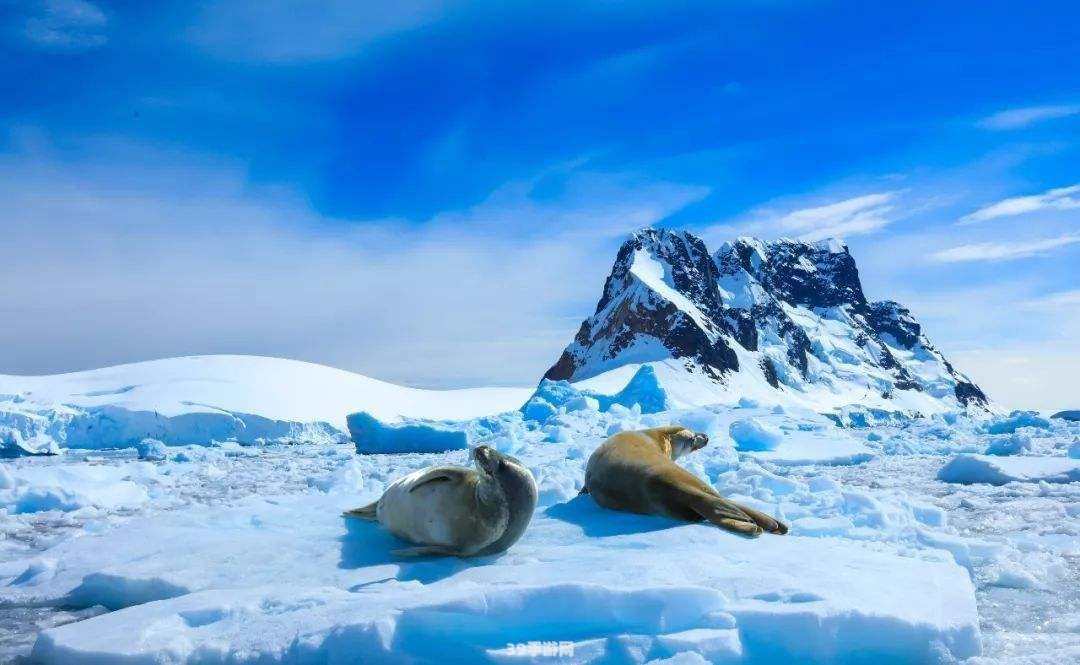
(436, 513)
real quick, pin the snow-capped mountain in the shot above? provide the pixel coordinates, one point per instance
(757, 317)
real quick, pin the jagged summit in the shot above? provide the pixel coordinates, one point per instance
(661, 300)
(785, 313)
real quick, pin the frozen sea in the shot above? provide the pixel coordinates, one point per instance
(908, 543)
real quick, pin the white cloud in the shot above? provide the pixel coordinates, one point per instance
(1053, 301)
(1062, 198)
(1003, 251)
(855, 216)
(149, 267)
(297, 31)
(845, 218)
(1029, 115)
(66, 25)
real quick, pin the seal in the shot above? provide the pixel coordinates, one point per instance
(636, 472)
(453, 510)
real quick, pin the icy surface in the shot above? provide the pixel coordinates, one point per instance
(232, 553)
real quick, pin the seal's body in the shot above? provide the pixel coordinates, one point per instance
(636, 472)
(458, 511)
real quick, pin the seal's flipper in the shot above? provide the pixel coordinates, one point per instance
(365, 513)
(425, 550)
(441, 474)
(723, 513)
(769, 524)
(748, 529)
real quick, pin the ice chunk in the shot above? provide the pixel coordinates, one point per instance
(1013, 444)
(968, 469)
(408, 436)
(72, 487)
(583, 403)
(1016, 420)
(538, 409)
(752, 434)
(151, 449)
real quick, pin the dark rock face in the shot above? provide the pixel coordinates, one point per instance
(891, 318)
(811, 275)
(631, 314)
(798, 306)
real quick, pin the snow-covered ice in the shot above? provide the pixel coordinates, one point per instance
(999, 471)
(223, 552)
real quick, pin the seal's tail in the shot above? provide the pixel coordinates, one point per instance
(365, 513)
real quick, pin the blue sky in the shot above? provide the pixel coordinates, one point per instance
(432, 192)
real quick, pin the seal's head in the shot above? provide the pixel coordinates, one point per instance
(503, 468)
(518, 489)
(686, 441)
(488, 460)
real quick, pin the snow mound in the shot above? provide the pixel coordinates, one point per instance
(968, 469)
(199, 399)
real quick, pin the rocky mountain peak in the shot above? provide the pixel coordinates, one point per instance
(786, 313)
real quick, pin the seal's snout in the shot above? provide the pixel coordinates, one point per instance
(700, 441)
(486, 457)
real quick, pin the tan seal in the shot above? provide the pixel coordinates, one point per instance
(458, 511)
(636, 472)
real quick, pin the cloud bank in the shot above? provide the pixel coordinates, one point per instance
(117, 263)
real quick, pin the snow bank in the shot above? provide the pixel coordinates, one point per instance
(617, 586)
(198, 399)
(968, 469)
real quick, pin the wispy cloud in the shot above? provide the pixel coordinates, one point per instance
(66, 25)
(286, 31)
(1003, 251)
(850, 217)
(1062, 198)
(1029, 115)
(1052, 301)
